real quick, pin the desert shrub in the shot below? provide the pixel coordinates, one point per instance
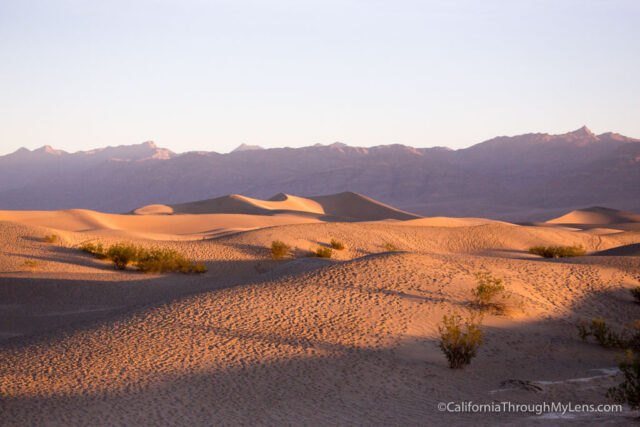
(122, 254)
(337, 245)
(458, 345)
(96, 250)
(390, 247)
(88, 247)
(487, 291)
(558, 251)
(323, 252)
(145, 260)
(628, 338)
(166, 260)
(636, 293)
(279, 249)
(628, 392)
(198, 268)
(51, 238)
(31, 264)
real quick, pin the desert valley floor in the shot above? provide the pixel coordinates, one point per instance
(350, 340)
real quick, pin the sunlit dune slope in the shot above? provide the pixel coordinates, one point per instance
(157, 227)
(599, 217)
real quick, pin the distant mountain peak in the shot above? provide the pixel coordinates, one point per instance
(583, 132)
(247, 147)
(48, 150)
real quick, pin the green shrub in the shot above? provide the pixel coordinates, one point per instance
(558, 251)
(51, 238)
(145, 260)
(337, 245)
(88, 247)
(488, 289)
(198, 268)
(122, 254)
(323, 252)
(279, 249)
(602, 333)
(636, 293)
(96, 250)
(390, 247)
(628, 392)
(459, 346)
(166, 260)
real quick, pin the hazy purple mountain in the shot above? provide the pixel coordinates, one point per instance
(527, 177)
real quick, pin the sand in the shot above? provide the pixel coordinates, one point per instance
(349, 341)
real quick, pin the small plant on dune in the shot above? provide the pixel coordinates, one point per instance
(602, 333)
(487, 291)
(459, 340)
(32, 264)
(51, 238)
(279, 249)
(122, 254)
(635, 292)
(166, 260)
(628, 392)
(323, 252)
(96, 250)
(558, 251)
(145, 260)
(390, 247)
(337, 244)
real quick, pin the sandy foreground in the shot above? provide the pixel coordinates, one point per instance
(348, 341)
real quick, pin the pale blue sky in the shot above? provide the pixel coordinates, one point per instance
(209, 75)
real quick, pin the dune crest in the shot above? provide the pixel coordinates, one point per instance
(347, 206)
(599, 219)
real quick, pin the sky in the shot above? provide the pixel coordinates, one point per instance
(210, 75)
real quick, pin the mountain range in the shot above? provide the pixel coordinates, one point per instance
(523, 178)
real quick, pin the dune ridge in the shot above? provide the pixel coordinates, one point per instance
(596, 216)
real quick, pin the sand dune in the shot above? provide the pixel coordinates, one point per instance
(237, 204)
(344, 206)
(156, 227)
(347, 340)
(209, 218)
(596, 216)
(440, 221)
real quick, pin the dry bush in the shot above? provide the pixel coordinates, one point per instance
(279, 249)
(628, 392)
(490, 294)
(165, 261)
(390, 247)
(32, 264)
(603, 334)
(145, 260)
(459, 340)
(558, 251)
(95, 249)
(337, 245)
(51, 238)
(323, 252)
(122, 254)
